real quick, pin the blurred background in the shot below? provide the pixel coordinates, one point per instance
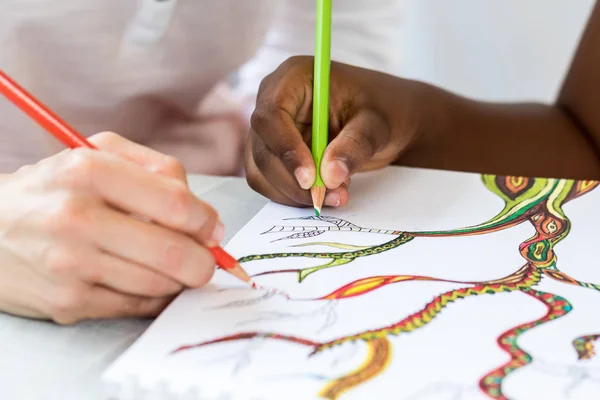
(446, 43)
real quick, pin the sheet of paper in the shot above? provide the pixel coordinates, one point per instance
(429, 285)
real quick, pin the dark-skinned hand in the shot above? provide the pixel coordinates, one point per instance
(363, 132)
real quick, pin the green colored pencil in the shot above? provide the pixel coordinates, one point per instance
(320, 126)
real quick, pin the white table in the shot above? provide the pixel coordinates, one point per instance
(40, 360)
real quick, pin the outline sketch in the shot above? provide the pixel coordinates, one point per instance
(576, 373)
(537, 201)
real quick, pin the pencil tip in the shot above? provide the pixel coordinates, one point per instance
(318, 196)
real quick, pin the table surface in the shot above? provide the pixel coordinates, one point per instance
(41, 360)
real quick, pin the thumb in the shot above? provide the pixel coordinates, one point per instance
(151, 160)
(363, 135)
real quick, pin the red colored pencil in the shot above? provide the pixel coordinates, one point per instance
(54, 125)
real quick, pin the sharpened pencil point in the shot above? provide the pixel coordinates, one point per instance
(318, 197)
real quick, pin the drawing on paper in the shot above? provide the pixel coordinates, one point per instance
(574, 376)
(535, 200)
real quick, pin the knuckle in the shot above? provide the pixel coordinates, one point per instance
(189, 213)
(289, 156)
(171, 166)
(60, 261)
(371, 145)
(376, 130)
(356, 151)
(78, 168)
(93, 273)
(292, 60)
(265, 83)
(205, 224)
(180, 204)
(70, 216)
(66, 303)
(284, 151)
(260, 115)
(289, 64)
(362, 145)
(295, 61)
(25, 169)
(209, 222)
(106, 138)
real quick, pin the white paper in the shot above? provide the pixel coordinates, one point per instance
(443, 359)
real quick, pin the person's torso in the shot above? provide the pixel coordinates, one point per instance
(119, 65)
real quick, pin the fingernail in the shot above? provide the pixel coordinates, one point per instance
(337, 173)
(218, 234)
(332, 199)
(303, 177)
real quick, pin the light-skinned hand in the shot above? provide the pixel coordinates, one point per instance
(76, 241)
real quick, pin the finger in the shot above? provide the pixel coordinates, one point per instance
(130, 188)
(273, 169)
(151, 160)
(127, 277)
(168, 253)
(259, 183)
(365, 134)
(104, 303)
(337, 197)
(277, 129)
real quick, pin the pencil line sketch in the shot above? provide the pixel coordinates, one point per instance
(326, 311)
(576, 374)
(242, 358)
(245, 302)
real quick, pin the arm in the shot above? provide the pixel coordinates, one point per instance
(365, 33)
(559, 140)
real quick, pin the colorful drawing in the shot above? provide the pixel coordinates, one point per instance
(585, 346)
(534, 200)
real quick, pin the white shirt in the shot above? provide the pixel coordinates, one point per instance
(155, 71)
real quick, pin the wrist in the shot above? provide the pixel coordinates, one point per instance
(409, 112)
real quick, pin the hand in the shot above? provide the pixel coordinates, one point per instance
(76, 242)
(368, 129)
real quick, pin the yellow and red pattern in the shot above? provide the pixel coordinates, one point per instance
(556, 307)
(380, 354)
(364, 286)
